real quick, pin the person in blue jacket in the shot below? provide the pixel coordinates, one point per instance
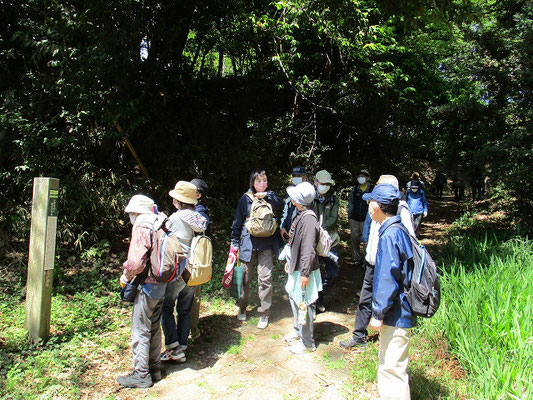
(254, 249)
(391, 314)
(371, 239)
(417, 203)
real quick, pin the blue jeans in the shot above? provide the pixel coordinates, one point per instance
(180, 296)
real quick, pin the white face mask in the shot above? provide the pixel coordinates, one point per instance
(414, 190)
(297, 180)
(132, 218)
(322, 189)
(361, 180)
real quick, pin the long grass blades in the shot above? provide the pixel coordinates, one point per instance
(487, 312)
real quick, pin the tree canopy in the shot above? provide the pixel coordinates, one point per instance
(216, 89)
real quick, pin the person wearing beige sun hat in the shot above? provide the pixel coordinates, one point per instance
(184, 223)
(184, 192)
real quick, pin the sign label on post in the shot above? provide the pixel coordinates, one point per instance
(41, 257)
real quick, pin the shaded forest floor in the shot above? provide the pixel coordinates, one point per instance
(236, 360)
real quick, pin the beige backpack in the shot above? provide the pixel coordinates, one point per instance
(323, 245)
(199, 267)
(262, 221)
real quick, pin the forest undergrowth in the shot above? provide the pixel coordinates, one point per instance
(477, 346)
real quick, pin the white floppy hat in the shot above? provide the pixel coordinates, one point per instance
(140, 204)
(303, 193)
(184, 192)
(324, 177)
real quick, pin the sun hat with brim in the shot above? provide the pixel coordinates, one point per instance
(184, 192)
(324, 177)
(364, 172)
(303, 193)
(140, 204)
(383, 193)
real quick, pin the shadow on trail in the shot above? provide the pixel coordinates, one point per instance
(326, 331)
(424, 388)
(219, 333)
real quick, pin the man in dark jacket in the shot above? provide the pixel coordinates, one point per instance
(299, 175)
(357, 209)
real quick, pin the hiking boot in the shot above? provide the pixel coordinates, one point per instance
(291, 336)
(263, 321)
(134, 380)
(242, 314)
(300, 347)
(353, 343)
(155, 374)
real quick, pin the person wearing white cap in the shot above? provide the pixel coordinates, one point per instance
(145, 326)
(357, 212)
(303, 268)
(183, 223)
(327, 207)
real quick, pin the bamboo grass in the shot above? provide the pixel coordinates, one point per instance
(486, 313)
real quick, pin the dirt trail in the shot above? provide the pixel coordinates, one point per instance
(234, 360)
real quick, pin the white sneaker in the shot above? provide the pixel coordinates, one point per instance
(291, 336)
(242, 315)
(175, 354)
(300, 347)
(263, 322)
(166, 355)
(178, 355)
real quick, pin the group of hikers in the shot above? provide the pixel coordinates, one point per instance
(381, 220)
(478, 183)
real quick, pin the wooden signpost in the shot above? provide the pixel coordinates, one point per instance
(41, 257)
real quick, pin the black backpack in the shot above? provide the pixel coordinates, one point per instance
(423, 294)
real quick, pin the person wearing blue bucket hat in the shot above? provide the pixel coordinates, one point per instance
(391, 314)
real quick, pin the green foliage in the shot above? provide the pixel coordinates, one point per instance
(81, 324)
(486, 312)
(239, 85)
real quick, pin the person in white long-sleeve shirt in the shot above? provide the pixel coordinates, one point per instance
(364, 309)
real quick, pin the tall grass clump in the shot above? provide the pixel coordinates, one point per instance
(486, 312)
